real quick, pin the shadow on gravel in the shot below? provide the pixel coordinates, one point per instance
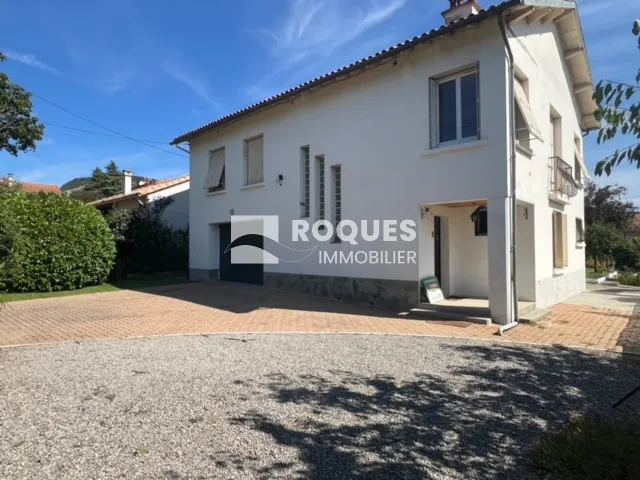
(477, 422)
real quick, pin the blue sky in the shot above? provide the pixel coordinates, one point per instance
(155, 69)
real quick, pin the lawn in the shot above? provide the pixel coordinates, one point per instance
(591, 273)
(134, 283)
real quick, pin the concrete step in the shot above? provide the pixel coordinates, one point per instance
(534, 315)
(457, 314)
(469, 310)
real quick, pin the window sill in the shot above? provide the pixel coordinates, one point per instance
(527, 152)
(580, 244)
(253, 185)
(217, 192)
(454, 148)
(558, 272)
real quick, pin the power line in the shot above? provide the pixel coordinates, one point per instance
(623, 84)
(107, 128)
(49, 124)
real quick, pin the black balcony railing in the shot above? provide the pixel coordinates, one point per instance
(561, 178)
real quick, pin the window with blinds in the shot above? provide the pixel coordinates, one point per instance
(254, 160)
(305, 183)
(215, 180)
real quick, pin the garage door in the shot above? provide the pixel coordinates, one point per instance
(248, 273)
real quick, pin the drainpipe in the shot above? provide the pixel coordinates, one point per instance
(512, 186)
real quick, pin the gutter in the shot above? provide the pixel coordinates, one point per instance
(512, 186)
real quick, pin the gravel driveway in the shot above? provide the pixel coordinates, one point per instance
(294, 406)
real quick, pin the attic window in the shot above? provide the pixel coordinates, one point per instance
(479, 218)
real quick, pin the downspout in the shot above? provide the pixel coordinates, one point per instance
(512, 186)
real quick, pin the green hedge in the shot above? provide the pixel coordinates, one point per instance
(58, 243)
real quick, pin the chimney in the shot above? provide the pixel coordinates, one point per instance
(127, 181)
(10, 179)
(460, 9)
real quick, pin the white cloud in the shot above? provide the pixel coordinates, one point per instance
(176, 70)
(319, 27)
(31, 60)
(312, 35)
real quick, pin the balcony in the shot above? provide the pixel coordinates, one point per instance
(562, 185)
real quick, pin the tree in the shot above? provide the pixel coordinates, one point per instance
(619, 118)
(105, 183)
(606, 205)
(601, 240)
(19, 129)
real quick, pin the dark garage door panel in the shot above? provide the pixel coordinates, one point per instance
(247, 273)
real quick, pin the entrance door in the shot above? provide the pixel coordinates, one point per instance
(247, 273)
(437, 248)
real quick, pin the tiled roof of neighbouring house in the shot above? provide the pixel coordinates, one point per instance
(29, 187)
(142, 191)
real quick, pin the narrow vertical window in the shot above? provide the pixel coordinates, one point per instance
(336, 181)
(254, 161)
(305, 183)
(560, 244)
(320, 176)
(215, 180)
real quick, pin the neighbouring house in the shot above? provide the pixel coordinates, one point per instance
(30, 187)
(176, 215)
(473, 130)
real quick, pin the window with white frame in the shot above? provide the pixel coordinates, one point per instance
(215, 180)
(456, 116)
(321, 187)
(336, 189)
(254, 160)
(560, 243)
(305, 183)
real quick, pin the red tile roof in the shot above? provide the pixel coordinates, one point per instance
(37, 187)
(143, 191)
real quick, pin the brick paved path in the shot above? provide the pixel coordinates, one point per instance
(223, 308)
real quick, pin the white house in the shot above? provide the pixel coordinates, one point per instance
(176, 214)
(473, 131)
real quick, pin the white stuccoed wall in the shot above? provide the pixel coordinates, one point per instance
(538, 57)
(177, 214)
(377, 127)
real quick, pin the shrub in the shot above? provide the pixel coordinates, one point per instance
(145, 243)
(60, 243)
(591, 448)
(628, 279)
(625, 257)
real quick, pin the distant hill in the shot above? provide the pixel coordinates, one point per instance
(78, 183)
(75, 183)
